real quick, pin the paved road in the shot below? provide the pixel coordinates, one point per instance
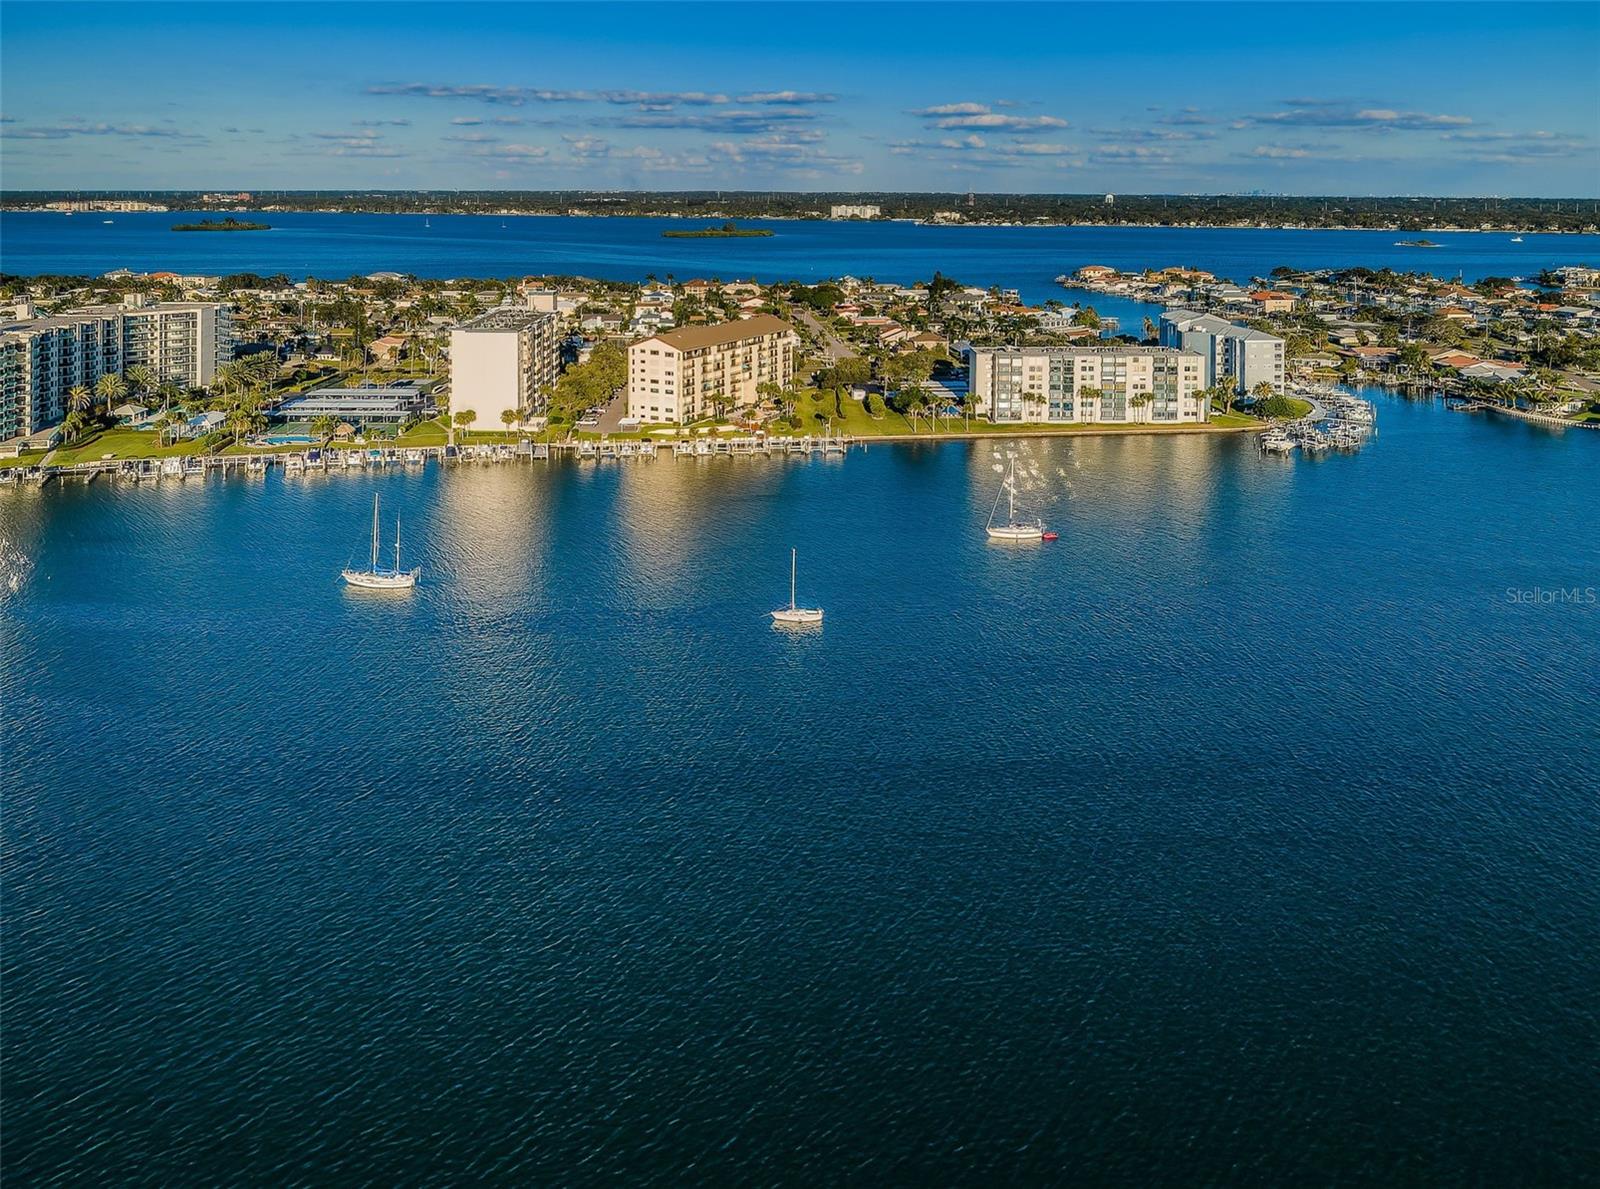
(835, 346)
(615, 412)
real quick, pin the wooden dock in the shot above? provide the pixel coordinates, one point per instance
(359, 459)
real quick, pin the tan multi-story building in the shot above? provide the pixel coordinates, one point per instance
(683, 375)
(43, 359)
(1068, 385)
(504, 360)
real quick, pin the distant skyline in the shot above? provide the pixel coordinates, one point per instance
(1458, 99)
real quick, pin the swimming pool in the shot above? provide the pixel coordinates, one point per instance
(290, 439)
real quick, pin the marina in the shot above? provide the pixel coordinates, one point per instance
(332, 460)
(1337, 421)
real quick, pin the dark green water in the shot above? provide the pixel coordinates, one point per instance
(1248, 834)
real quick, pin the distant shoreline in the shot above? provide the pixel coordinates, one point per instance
(993, 224)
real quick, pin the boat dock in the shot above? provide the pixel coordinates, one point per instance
(357, 459)
(1337, 421)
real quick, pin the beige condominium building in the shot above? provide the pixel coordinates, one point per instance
(1086, 385)
(683, 375)
(505, 359)
(43, 359)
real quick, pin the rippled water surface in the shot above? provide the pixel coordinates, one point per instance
(1025, 258)
(1248, 833)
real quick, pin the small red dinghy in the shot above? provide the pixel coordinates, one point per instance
(1050, 536)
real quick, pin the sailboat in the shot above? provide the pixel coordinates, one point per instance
(793, 613)
(374, 577)
(1013, 529)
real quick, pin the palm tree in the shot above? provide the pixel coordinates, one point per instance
(1139, 399)
(464, 418)
(73, 427)
(79, 398)
(141, 379)
(242, 420)
(325, 427)
(510, 417)
(230, 375)
(110, 388)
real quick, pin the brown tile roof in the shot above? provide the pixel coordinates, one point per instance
(690, 337)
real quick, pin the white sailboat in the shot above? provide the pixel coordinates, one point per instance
(375, 577)
(1013, 529)
(793, 613)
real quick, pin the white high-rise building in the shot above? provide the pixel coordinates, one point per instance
(43, 359)
(855, 210)
(505, 359)
(1087, 385)
(1231, 352)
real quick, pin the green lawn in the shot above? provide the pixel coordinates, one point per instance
(814, 408)
(425, 433)
(121, 443)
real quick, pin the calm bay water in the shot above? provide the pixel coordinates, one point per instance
(1247, 834)
(1025, 258)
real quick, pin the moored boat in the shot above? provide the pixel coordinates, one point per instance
(1013, 529)
(376, 577)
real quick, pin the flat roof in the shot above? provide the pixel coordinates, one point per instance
(505, 318)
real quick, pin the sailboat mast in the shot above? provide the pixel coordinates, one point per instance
(397, 544)
(794, 555)
(1011, 491)
(374, 532)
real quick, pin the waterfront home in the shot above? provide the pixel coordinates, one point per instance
(1497, 372)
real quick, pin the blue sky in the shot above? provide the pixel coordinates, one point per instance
(1393, 98)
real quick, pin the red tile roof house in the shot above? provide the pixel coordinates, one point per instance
(1272, 303)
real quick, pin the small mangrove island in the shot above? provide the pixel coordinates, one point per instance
(228, 224)
(727, 231)
(1416, 243)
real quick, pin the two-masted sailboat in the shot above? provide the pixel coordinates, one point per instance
(793, 614)
(376, 577)
(1013, 529)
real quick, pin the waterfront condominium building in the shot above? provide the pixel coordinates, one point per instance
(682, 375)
(1230, 353)
(855, 210)
(1086, 385)
(43, 359)
(505, 359)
